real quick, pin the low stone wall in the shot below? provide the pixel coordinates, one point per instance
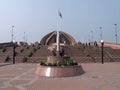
(112, 45)
(7, 44)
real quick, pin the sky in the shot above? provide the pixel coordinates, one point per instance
(33, 19)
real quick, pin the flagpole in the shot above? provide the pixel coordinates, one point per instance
(58, 32)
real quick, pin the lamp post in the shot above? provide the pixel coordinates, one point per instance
(101, 33)
(92, 35)
(13, 42)
(24, 38)
(12, 34)
(116, 32)
(14, 52)
(102, 54)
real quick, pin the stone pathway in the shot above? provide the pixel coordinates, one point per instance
(97, 76)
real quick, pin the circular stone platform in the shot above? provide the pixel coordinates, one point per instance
(60, 71)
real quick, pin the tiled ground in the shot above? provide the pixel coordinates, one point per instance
(97, 76)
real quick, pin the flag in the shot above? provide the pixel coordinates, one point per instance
(12, 26)
(59, 13)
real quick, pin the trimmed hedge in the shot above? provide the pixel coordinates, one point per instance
(4, 49)
(25, 59)
(7, 58)
(30, 54)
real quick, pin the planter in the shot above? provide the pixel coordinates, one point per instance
(59, 71)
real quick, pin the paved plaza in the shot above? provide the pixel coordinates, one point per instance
(97, 76)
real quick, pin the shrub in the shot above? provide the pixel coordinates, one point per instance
(87, 53)
(33, 45)
(77, 46)
(34, 50)
(21, 50)
(38, 47)
(58, 63)
(7, 58)
(25, 59)
(69, 62)
(42, 63)
(54, 63)
(4, 49)
(30, 54)
(75, 63)
(27, 47)
(50, 64)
